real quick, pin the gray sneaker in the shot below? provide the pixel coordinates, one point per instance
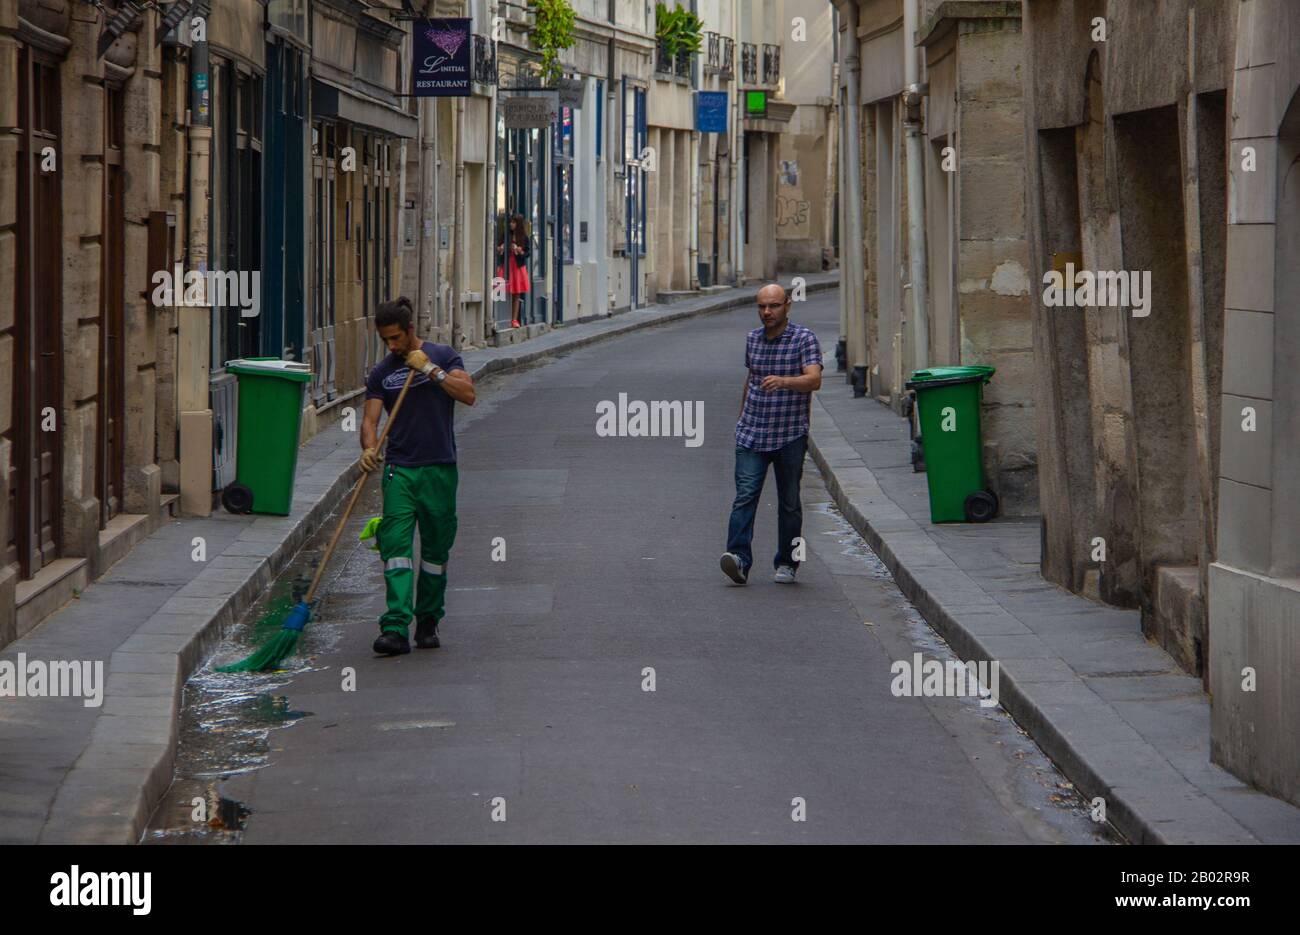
(732, 568)
(784, 575)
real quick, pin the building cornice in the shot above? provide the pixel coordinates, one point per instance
(865, 34)
(33, 35)
(949, 13)
(371, 25)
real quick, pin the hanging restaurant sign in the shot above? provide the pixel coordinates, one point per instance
(440, 63)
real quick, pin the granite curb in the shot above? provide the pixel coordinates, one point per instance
(113, 787)
(1146, 798)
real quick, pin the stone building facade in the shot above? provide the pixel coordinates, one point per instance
(671, 187)
(1254, 595)
(1169, 466)
(86, 211)
(962, 257)
(1116, 232)
(805, 169)
(358, 128)
(978, 253)
(1127, 174)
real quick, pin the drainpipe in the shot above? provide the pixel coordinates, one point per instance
(852, 235)
(194, 335)
(842, 207)
(693, 212)
(487, 311)
(913, 94)
(428, 219)
(1200, 365)
(738, 159)
(401, 181)
(430, 252)
(832, 168)
(459, 260)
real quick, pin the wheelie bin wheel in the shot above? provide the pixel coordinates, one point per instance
(237, 498)
(981, 506)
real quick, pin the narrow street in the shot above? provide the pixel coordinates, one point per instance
(768, 701)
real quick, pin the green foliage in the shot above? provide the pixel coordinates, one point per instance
(678, 30)
(552, 32)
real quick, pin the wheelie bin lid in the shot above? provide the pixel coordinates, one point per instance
(949, 376)
(270, 367)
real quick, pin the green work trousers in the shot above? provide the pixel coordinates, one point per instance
(423, 496)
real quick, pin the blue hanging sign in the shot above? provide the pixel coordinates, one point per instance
(711, 111)
(441, 61)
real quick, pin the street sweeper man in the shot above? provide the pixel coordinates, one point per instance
(419, 473)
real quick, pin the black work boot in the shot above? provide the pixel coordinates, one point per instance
(426, 633)
(392, 644)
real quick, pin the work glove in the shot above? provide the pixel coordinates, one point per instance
(371, 531)
(417, 360)
(370, 459)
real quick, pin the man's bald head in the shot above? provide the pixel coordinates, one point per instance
(773, 307)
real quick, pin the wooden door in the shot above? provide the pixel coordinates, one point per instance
(36, 425)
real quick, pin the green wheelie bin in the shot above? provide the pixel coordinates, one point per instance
(270, 417)
(948, 409)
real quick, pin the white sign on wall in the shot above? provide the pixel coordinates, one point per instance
(524, 112)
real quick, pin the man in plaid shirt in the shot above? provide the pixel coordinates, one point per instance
(784, 362)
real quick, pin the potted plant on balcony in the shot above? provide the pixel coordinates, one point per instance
(552, 33)
(679, 33)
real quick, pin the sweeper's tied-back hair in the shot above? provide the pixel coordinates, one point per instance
(397, 312)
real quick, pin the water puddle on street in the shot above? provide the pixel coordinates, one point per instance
(225, 729)
(227, 718)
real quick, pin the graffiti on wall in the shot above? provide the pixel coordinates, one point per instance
(792, 209)
(791, 212)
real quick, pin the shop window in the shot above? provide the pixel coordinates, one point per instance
(635, 140)
(563, 158)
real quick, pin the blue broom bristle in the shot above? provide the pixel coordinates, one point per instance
(297, 618)
(279, 647)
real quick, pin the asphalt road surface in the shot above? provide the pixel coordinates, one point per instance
(771, 718)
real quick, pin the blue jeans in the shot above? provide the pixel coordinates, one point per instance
(751, 471)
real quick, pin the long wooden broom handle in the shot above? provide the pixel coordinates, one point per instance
(356, 492)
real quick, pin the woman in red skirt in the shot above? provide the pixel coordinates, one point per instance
(512, 266)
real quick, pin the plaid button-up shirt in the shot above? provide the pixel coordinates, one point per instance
(772, 420)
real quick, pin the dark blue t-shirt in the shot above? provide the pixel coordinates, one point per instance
(423, 431)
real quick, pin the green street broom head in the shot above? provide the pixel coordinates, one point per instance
(273, 652)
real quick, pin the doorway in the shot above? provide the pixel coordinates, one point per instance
(635, 139)
(521, 190)
(562, 186)
(112, 355)
(36, 468)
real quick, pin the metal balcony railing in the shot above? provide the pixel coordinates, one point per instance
(527, 78)
(771, 63)
(720, 55)
(485, 60)
(666, 64)
(663, 64)
(749, 63)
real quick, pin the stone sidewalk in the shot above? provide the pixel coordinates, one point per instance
(1112, 710)
(71, 773)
